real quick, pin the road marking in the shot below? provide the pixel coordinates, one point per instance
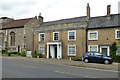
(72, 74)
(93, 69)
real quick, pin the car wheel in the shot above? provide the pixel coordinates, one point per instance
(106, 61)
(86, 60)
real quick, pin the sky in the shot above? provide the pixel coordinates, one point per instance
(55, 9)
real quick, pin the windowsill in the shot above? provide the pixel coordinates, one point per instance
(71, 55)
(118, 39)
(71, 40)
(55, 40)
(92, 39)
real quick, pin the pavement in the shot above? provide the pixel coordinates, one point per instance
(67, 62)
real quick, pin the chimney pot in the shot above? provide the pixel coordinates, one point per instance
(108, 10)
(88, 10)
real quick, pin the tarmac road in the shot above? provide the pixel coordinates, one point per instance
(20, 68)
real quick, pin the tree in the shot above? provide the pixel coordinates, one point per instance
(114, 49)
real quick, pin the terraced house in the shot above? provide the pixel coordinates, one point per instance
(102, 32)
(16, 35)
(73, 37)
(62, 38)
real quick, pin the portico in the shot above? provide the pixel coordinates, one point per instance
(54, 50)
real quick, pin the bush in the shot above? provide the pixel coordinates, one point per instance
(77, 59)
(116, 58)
(14, 52)
(3, 51)
(40, 55)
(22, 54)
(113, 49)
(35, 54)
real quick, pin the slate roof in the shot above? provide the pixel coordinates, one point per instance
(17, 23)
(64, 21)
(104, 21)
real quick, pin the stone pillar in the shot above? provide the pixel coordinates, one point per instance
(58, 51)
(47, 50)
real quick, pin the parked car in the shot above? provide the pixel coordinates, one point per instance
(97, 57)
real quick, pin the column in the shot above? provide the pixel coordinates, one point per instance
(47, 50)
(58, 51)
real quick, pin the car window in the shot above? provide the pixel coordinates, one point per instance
(90, 54)
(97, 54)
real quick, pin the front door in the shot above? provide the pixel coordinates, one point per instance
(104, 50)
(55, 51)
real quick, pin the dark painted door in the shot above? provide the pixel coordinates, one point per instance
(18, 49)
(55, 51)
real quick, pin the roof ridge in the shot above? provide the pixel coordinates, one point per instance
(64, 19)
(22, 19)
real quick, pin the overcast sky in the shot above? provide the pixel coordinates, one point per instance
(55, 9)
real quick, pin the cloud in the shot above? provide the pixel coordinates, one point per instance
(55, 9)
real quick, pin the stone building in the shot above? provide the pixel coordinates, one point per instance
(75, 36)
(16, 35)
(62, 38)
(102, 32)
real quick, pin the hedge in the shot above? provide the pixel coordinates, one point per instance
(116, 58)
(77, 59)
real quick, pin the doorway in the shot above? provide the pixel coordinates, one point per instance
(18, 49)
(55, 51)
(105, 50)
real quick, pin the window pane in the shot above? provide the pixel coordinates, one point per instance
(93, 35)
(118, 51)
(71, 35)
(93, 48)
(72, 50)
(12, 40)
(55, 36)
(41, 49)
(118, 34)
(42, 36)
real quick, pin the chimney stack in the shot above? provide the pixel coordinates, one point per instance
(40, 18)
(108, 10)
(88, 10)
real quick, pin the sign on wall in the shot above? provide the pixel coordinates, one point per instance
(29, 54)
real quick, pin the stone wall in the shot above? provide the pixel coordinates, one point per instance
(63, 36)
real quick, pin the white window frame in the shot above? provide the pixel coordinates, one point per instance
(92, 32)
(116, 34)
(74, 35)
(117, 51)
(68, 51)
(92, 45)
(39, 37)
(39, 49)
(54, 36)
(108, 49)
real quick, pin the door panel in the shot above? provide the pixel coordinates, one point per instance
(55, 52)
(104, 51)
